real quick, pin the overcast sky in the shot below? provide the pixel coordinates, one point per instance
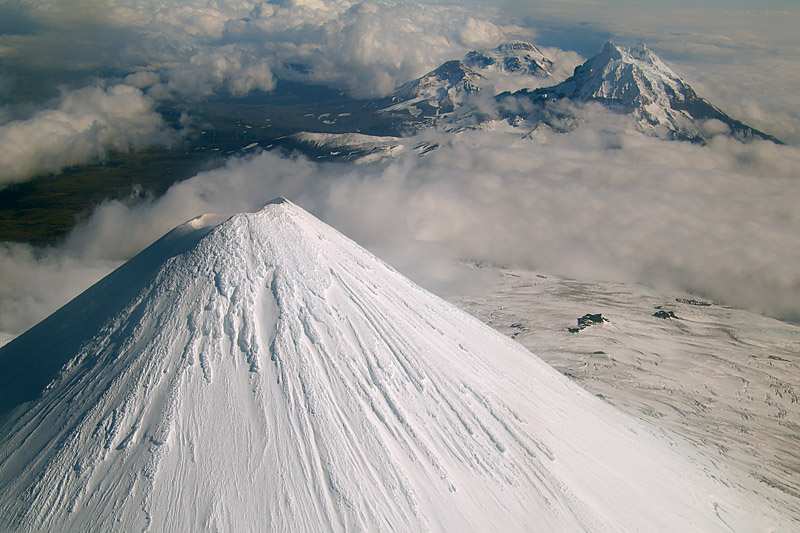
(80, 77)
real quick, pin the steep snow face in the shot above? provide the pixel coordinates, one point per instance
(269, 374)
(636, 81)
(510, 66)
(439, 91)
(632, 77)
(518, 57)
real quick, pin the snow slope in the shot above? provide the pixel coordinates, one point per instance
(509, 66)
(355, 147)
(722, 378)
(637, 82)
(269, 374)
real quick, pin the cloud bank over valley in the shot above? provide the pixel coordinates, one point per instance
(602, 202)
(718, 220)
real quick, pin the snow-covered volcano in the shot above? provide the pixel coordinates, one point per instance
(515, 64)
(637, 82)
(518, 57)
(269, 374)
(438, 91)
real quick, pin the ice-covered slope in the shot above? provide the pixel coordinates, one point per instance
(438, 91)
(355, 147)
(517, 57)
(723, 378)
(509, 66)
(636, 81)
(269, 374)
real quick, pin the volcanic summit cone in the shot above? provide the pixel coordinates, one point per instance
(268, 374)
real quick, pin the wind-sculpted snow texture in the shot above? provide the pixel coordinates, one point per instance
(269, 374)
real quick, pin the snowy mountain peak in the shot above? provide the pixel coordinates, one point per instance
(438, 91)
(277, 201)
(453, 72)
(641, 52)
(518, 57)
(516, 46)
(631, 77)
(636, 81)
(268, 374)
(511, 65)
(611, 50)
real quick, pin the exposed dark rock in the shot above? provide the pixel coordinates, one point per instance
(519, 328)
(590, 320)
(664, 314)
(776, 358)
(692, 302)
(587, 320)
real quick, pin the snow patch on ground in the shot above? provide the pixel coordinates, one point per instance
(721, 378)
(359, 148)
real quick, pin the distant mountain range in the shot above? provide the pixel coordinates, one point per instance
(450, 85)
(630, 81)
(516, 86)
(634, 81)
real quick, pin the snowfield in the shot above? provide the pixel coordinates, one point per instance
(267, 374)
(724, 379)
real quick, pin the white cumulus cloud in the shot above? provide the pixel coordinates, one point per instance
(86, 124)
(234, 69)
(604, 203)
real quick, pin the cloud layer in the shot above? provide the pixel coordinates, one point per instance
(367, 47)
(602, 202)
(135, 54)
(719, 221)
(86, 123)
